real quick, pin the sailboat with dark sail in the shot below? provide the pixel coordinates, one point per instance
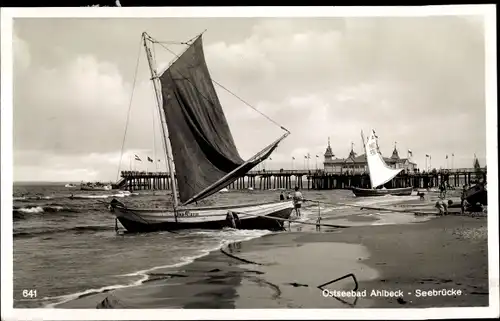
(198, 143)
(379, 172)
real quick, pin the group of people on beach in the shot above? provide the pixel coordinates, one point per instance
(443, 206)
(297, 198)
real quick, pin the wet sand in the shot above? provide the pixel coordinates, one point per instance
(283, 270)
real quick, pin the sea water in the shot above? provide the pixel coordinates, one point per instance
(65, 243)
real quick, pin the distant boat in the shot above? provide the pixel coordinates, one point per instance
(70, 185)
(97, 186)
(379, 172)
(199, 142)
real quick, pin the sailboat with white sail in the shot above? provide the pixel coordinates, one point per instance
(379, 172)
(200, 151)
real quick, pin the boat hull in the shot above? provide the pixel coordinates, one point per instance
(97, 189)
(477, 194)
(250, 217)
(365, 192)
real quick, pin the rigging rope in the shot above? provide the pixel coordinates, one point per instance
(170, 42)
(174, 42)
(289, 220)
(129, 108)
(372, 207)
(220, 85)
(246, 103)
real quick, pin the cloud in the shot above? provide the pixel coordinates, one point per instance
(80, 107)
(78, 167)
(273, 58)
(417, 81)
(50, 175)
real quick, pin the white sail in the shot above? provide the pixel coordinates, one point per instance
(379, 172)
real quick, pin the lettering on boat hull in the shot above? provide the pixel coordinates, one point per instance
(187, 214)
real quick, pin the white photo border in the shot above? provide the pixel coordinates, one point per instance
(7, 16)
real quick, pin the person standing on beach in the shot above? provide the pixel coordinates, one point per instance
(442, 190)
(297, 200)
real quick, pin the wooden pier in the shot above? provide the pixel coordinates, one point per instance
(316, 180)
(141, 180)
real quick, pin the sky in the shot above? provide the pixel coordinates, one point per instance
(417, 81)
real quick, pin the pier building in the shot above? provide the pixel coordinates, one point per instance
(357, 164)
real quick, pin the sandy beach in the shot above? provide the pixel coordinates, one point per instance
(446, 254)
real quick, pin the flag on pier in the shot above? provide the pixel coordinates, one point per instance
(452, 155)
(159, 160)
(410, 152)
(446, 156)
(150, 159)
(305, 156)
(426, 155)
(317, 156)
(137, 158)
(293, 158)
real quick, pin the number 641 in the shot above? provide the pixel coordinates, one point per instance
(29, 294)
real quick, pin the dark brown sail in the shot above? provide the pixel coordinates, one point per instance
(238, 172)
(202, 144)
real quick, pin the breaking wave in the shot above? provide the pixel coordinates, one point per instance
(31, 198)
(43, 209)
(25, 198)
(104, 196)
